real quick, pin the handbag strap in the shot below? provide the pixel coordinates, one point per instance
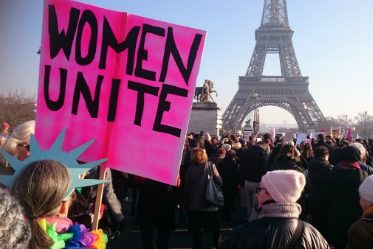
(209, 169)
(297, 235)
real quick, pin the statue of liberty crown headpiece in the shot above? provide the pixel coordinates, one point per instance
(68, 159)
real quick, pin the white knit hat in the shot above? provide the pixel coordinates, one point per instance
(366, 189)
(285, 186)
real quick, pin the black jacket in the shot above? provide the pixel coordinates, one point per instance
(319, 177)
(253, 164)
(344, 206)
(273, 233)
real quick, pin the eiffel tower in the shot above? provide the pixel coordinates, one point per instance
(288, 91)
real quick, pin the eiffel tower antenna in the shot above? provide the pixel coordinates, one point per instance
(288, 91)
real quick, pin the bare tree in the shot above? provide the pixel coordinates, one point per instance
(364, 124)
(16, 108)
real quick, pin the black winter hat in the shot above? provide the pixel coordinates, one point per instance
(351, 154)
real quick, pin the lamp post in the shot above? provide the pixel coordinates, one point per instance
(256, 115)
(365, 124)
(346, 123)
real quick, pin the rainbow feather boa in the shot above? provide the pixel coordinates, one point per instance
(76, 236)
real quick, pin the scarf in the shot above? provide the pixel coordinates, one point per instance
(368, 212)
(349, 165)
(281, 210)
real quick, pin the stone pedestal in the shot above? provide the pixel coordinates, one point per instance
(206, 117)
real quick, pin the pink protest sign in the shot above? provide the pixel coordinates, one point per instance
(123, 80)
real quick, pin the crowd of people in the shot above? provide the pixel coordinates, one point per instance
(322, 181)
(315, 194)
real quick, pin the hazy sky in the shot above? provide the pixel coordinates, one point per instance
(332, 39)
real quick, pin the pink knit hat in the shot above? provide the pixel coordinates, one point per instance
(5, 126)
(285, 186)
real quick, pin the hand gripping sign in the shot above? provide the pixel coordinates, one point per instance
(123, 80)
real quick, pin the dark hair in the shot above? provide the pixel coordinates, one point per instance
(267, 136)
(320, 136)
(287, 148)
(321, 151)
(307, 151)
(194, 143)
(231, 154)
(351, 154)
(40, 189)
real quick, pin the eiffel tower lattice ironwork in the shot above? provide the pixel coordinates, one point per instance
(288, 91)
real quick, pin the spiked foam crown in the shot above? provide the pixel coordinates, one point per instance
(68, 159)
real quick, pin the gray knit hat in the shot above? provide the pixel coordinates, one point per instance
(15, 232)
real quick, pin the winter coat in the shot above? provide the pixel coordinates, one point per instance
(360, 234)
(253, 164)
(157, 203)
(273, 233)
(366, 168)
(319, 175)
(195, 187)
(344, 203)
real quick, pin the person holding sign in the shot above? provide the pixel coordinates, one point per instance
(44, 185)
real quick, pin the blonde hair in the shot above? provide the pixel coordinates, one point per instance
(20, 135)
(199, 156)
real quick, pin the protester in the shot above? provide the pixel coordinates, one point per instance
(278, 225)
(187, 162)
(253, 165)
(228, 173)
(344, 209)
(218, 159)
(114, 217)
(363, 157)
(4, 132)
(306, 155)
(360, 234)
(319, 176)
(156, 210)
(42, 190)
(15, 232)
(286, 159)
(212, 146)
(18, 143)
(200, 213)
(321, 141)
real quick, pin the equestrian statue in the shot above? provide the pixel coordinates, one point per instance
(203, 93)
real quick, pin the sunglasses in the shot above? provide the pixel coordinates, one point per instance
(258, 190)
(25, 146)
